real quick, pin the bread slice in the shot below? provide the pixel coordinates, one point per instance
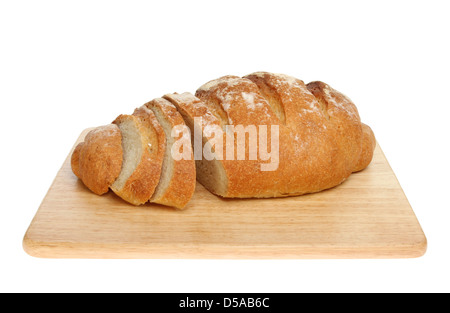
(210, 173)
(178, 175)
(97, 161)
(142, 158)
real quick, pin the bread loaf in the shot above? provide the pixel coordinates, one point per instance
(321, 139)
(258, 136)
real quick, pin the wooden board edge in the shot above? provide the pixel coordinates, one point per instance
(67, 250)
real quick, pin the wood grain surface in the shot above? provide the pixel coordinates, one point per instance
(368, 216)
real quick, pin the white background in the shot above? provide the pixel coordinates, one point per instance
(69, 65)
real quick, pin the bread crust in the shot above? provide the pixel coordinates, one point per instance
(97, 160)
(368, 146)
(181, 186)
(140, 185)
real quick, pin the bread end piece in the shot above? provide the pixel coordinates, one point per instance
(97, 161)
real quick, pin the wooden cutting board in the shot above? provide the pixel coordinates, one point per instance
(368, 216)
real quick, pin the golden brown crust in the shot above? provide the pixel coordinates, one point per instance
(368, 146)
(75, 160)
(97, 160)
(181, 186)
(140, 186)
(344, 117)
